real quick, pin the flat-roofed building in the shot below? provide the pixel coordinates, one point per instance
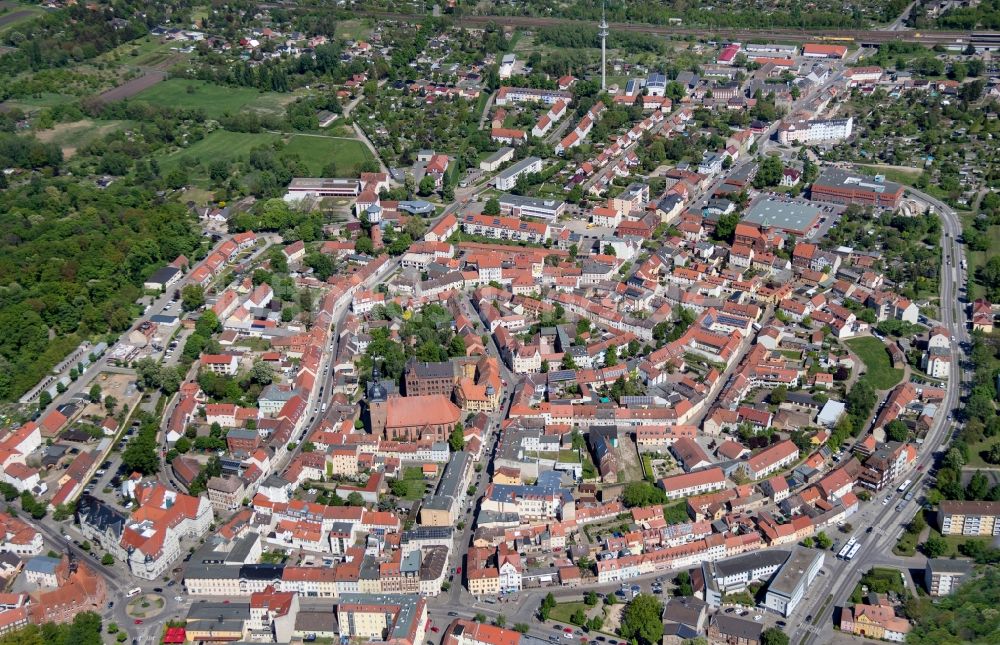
(497, 159)
(969, 518)
(795, 217)
(837, 186)
(816, 130)
(943, 575)
(508, 178)
(302, 187)
(786, 589)
(518, 206)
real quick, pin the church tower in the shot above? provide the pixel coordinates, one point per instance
(377, 398)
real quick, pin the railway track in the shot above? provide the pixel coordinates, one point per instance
(861, 36)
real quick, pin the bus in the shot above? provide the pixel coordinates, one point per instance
(853, 552)
(847, 547)
(904, 486)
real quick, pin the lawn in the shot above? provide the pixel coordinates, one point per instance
(219, 144)
(562, 611)
(18, 15)
(879, 371)
(954, 541)
(978, 449)
(317, 152)
(907, 544)
(74, 135)
(353, 29)
(413, 477)
(977, 259)
(43, 100)
(215, 100)
(569, 456)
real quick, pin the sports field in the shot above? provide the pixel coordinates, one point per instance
(219, 144)
(318, 152)
(315, 152)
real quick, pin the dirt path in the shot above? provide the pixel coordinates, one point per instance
(133, 87)
(14, 16)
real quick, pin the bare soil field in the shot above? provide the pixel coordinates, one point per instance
(133, 87)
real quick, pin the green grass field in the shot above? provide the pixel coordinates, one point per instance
(17, 15)
(71, 136)
(413, 477)
(954, 541)
(879, 370)
(562, 611)
(216, 100)
(44, 100)
(353, 29)
(219, 144)
(318, 152)
(978, 258)
(976, 451)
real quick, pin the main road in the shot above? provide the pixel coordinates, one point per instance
(886, 524)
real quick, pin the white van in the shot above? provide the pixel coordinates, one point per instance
(135, 591)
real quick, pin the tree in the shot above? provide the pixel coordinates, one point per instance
(954, 459)
(770, 172)
(107, 559)
(548, 604)
(8, 491)
(110, 403)
(456, 440)
(779, 395)
(823, 540)
(642, 620)
(773, 636)
(896, 430)
(261, 373)
(568, 363)
(64, 511)
(492, 206)
(522, 628)
(683, 582)
(192, 297)
(726, 227)
(95, 393)
(637, 494)
(979, 486)
(590, 599)
(427, 185)
(364, 245)
(44, 399)
(355, 499)
(578, 617)
(935, 547)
